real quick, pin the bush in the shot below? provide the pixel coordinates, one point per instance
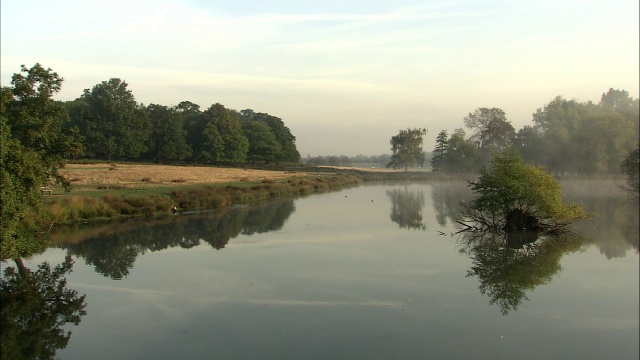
(514, 195)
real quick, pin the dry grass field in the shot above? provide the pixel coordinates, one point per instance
(155, 175)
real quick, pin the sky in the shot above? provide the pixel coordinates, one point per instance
(344, 76)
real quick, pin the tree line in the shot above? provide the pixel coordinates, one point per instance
(567, 136)
(113, 125)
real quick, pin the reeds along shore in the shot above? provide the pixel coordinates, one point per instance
(70, 209)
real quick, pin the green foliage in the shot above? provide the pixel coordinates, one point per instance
(112, 122)
(263, 145)
(407, 148)
(224, 140)
(167, 141)
(34, 146)
(510, 184)
(287, 142)
(22, 174)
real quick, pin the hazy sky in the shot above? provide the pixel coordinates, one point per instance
(344, 76)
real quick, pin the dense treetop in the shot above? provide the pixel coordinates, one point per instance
(115, 126)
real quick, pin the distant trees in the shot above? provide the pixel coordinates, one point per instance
(567, 136)
(407, 149)
(344, 160)
(115, 126)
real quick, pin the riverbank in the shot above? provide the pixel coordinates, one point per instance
(112, 191)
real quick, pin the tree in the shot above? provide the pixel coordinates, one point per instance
(584, 137)
(224, 140)
(440, 152)
(557, 123)
(619, 101)
(531, 145)
(513, 195)
(112, 122)
(263, 145)
(194, 123)
(34, 145)
(34, 308)
(168, 137)
(462, 154)
(283, 135)
(491, 130)
(407, 148)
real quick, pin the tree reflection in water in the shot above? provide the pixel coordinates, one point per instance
(113, 248)
(406, 208)
(35, 306)
(508, 265)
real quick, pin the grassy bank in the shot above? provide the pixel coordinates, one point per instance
(118, 201)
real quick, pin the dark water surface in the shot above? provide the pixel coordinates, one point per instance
(365, 273)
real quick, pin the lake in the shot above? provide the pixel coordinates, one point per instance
(373, 272)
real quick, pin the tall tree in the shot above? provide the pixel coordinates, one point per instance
(440, 152)
(34, 145)
(194, 123)
(407, 148)
(112, 122)
(224, 138)
(168, 137)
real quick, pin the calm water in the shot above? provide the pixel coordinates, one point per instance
(365, 273)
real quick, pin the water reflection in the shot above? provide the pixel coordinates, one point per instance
(446, 198)
(35, 306)
(406, 208)
(113, 248)
(613, 226)
(508, 265)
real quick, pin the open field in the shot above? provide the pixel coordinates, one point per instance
(130, 174)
